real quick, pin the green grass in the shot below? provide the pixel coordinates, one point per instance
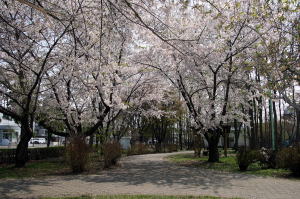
(48, 167)
(227, 164)
(229, 151)
(34, 169)
(138, 197)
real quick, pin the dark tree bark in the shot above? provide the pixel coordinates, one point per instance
(297, 130)
(260, 113)
(197, 144)
(252, 136)
(226, 131)
(266, 135)
(49, 138)
(280, 127)
(245, 135)
(180, 133)
(22, 148)
(248, 133)
(213, 137)
(255, 121)
(91, 141)
(275, 125)
(260, 118)
(237, 131)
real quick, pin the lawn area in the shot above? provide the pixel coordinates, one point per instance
(47, 167)
(34, 169)
(139, 197)
(227, 164)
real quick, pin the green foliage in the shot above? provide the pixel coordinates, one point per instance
(227, 164)
(112, 152)
(78, 154)
(289, 158)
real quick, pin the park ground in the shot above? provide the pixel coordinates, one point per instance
(153, 174)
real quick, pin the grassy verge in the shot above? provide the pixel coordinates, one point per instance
(139, 197)
(227, 164)
(47, 167)
(34, 169)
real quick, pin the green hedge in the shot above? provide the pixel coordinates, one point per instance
(8, 155)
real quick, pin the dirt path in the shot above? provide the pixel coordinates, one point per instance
(151, 174)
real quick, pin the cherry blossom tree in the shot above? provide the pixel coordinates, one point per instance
(94, 79)
(278, 53)
(201, 47)
(84, 63)
(27, 44)
(67, 61)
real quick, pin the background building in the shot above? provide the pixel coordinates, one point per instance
(9, 130)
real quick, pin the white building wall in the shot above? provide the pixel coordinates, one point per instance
(8, 126)
(125, 142)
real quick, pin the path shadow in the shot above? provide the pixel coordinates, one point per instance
(21, 187)
(136, 171)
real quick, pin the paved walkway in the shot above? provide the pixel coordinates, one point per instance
(151, 174)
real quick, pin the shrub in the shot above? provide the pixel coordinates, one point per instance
(246, 157)
(267, 158)
(139, 149)
(43, 153)
(289, 158)
(78, 154)
(8, 155)
(205, 153)
(158, 147)
(112, 153)
(198, 145)
(172, 147)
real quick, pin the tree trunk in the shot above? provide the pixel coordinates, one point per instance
(255, 118)
(292, 135)
(245, 138)
(260, 118)
(297, 130)
(91, 140)
(260, 113)
(212, 137)
(237, 130)
(98, 138)
(226, 132)
(225, 144)
(266, 135)
(252, 130)
(197, 144)
(49, 139)
(275, 125)
(280, 127)
(22, 148)
(180, 134)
